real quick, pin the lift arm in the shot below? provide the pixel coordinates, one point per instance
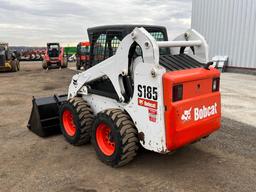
(117, 65)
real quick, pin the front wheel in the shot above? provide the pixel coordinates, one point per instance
(76, 119)
(78, 66)
(65, 63)
(114, 137)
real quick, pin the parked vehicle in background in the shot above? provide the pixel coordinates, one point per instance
(54, 56)
(31, 54)
(83, 58)
(8, 61)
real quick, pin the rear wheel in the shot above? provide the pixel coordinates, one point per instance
(44, 65)
(65, 63)
(86, 66)
(59, 64)
(18, 65)
(114, 137)
(76, 119)
(14, 66)
(64, 66)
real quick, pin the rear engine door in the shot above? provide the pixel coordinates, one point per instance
(192, 103)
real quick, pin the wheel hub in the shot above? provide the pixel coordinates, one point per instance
(105, 139)
(68, 122)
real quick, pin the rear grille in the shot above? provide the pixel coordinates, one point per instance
(179, 62)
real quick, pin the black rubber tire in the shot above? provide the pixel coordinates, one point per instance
(44, 65)
(18, 65)
(78, 67)
(124, 134)
(86, 66)
(14, 66)
(65, 64)
(59, 65)
(83, 119)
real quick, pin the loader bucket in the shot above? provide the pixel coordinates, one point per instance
(44, 118)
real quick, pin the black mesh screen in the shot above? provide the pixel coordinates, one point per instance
(99, 48)
(84, 49)
(114, 44)
(159, 36)
(106, 44)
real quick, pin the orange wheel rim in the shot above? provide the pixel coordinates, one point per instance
(104, 141)
(68, 122)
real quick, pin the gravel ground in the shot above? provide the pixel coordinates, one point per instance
(225, 161)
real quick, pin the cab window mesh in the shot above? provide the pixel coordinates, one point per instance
(159, 36)
(99, 49)
(113, 44)
(106, 45)
(85, 49)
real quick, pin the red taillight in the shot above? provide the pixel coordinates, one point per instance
(177, 92)
(215, 84)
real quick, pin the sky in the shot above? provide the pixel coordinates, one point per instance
(34, 23)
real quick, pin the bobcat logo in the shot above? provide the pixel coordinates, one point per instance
(186, 116)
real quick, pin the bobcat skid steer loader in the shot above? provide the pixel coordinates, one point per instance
(161, 95)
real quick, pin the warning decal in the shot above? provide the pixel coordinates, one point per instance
(152, 113)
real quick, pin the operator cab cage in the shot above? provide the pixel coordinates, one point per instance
(83, 48)
(4, 53)
(104, 44)
(50, 45)
(53, 49)
(106, 39)
(4, 47)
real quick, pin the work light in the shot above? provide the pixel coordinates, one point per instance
(177, 92)
(215, 84)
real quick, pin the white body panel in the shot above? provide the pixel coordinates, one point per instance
(149, 119)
